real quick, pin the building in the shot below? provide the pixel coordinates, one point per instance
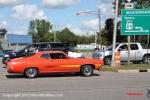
(13, 41)
(3, 41)
(16, 42)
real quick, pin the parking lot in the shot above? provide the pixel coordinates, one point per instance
(101, 86)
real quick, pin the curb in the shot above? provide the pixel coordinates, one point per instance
(134, 71)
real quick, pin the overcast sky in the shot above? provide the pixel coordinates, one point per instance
(16, 14)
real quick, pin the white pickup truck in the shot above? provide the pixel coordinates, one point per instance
(137, 53)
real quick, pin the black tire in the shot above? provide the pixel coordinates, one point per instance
(107, 60)
(87, 70)
(31, 72)
(136, 62)
(5, 60)
(146, 59)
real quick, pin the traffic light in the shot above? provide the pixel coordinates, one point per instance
(114, 6)
(121, 4)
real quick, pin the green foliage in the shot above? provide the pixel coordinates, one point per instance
(139, 4)
(85, 39)
(48, 37)
(67, 36)
(38, 29)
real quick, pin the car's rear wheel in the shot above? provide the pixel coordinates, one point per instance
(107, 60)
(146, 59)
(87, 70)
(31, 72)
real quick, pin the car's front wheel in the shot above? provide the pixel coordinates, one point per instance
(31, 72)
(87, 70)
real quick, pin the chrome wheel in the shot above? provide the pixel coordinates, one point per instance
(146, 59)
(87, 70)
(31, 72)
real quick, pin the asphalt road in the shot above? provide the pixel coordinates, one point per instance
(101, 86)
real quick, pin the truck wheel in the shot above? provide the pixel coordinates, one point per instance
(107, 60)
(31, 72)
(87, 70)
(146, 59)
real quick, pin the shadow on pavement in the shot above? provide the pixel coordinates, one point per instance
(14, 76)
(11, 76)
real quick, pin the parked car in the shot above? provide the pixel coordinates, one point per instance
(45, 46)
(3, 52)
(137, 53)
(52, 61)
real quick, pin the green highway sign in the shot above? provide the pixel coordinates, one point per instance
(135, 22)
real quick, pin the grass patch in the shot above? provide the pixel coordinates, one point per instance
(110, 69)
(126, 67)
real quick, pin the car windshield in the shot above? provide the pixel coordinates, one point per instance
(110, 48)
(25, 48)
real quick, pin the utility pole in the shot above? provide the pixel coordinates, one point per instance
(99, 18)
(97, 13)
(114, 35)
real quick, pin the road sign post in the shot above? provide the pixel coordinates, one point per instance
(129, 6)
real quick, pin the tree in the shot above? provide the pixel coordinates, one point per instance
(86, 39)
(48, 37)
(104, 37)
(38, 28)
(139, 4)
(67, 36)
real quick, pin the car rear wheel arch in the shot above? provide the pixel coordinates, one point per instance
(31, 68)
(93, 66)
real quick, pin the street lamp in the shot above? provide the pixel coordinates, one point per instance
(88, 13)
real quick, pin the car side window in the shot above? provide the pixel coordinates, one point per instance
(134, 47)
(45, 56)
(123, 48)
(58, 56)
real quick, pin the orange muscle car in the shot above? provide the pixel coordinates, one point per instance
(52, 61)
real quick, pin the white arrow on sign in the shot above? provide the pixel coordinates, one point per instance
(139, 28)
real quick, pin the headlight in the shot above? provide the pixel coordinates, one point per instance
(6, 55)
(14, 54)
